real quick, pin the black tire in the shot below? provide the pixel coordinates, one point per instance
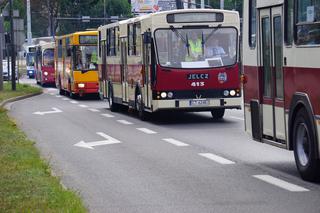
(139, 105)
(304, 146)
(112, 106)
(217, 113)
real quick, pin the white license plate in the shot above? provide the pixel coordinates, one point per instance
(199, 102)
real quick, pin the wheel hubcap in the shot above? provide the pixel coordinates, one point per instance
(303, 144)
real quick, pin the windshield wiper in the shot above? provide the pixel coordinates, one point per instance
(178, 34)
(213, 32)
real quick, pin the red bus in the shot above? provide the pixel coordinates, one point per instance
(44, 67)
(281, 47)
(175, 60)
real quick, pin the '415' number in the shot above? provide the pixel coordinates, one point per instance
(197, 84)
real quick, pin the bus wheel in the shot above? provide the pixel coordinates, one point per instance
(304, 146)
(113, 106)
(140, 107)
(217, 113)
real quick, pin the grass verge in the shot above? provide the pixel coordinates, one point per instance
(26, 184)
(22, 89)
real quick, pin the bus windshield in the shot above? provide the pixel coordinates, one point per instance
(48, 57)
(196, 48)
(86, 58)
(30, 59)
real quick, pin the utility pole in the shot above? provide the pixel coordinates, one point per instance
(29, 34)
(221, 4)
(1, 52)
(202, 4)
(104, 11)
(13, 52)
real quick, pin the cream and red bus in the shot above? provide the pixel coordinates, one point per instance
(281, 48)
(76, 63)
(148, 63)
(44, 63)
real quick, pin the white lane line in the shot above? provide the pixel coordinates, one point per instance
(281, 183)
(94, 110)
(58, 96)
(107, 115)
(147, 131)
(51, 94)
(124, 122)
(83, 106)
(65, 99)
(175, 142)
(237, 118)
(74, 102)
(217, 158)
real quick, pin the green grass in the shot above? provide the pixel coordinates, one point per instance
(26, 184)
(22, 89)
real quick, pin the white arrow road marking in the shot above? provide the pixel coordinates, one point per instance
(216, 158)
(107, 115)
(109, 140)
(175, 142)
(281, 183)
(55, 110)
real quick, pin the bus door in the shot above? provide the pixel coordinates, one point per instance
(146, 73)
(271, 57)
(124, 70)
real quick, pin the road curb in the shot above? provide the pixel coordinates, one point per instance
(10, 100)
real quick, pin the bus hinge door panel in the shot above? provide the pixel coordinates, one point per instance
(256, 120)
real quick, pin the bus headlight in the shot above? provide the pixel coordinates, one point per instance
(81, 85)
(170, 94)
(232, 93)
(163, 95)
(226, 92)
(45, 73)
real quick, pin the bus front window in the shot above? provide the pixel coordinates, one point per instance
(86, 58)
(30, 59)
(196, 48)
(48, 58)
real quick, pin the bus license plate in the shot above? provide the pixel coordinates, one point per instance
(199, 102)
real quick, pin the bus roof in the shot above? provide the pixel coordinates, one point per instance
(78, 34)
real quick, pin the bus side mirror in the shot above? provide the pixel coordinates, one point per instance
(147, 38)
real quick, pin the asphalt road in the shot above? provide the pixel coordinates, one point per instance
(181, 162)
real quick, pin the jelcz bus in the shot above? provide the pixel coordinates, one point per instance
(45, 73)
(175, 60)
(76, 63)
(30, 60)
(281, 48)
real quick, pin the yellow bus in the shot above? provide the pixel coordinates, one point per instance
(76, 68)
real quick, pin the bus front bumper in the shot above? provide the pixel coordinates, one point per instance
(197, 105)
(86, 88)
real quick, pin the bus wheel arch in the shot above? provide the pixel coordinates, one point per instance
(303, 138)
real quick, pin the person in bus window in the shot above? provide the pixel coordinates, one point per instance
(215, 50)
(195, 46)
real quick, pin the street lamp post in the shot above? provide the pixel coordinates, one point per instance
(104, 11)
(13, 54)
